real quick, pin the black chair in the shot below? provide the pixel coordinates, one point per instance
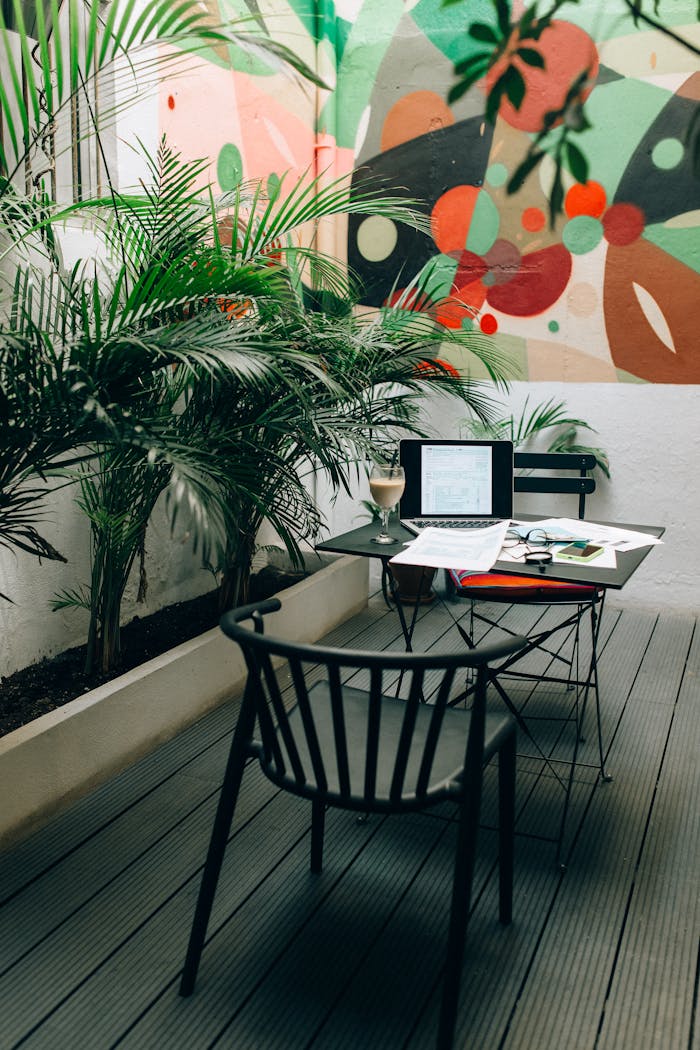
(359, 749)
(562, 473)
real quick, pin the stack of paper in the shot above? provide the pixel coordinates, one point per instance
(478, 549)
(475, 549)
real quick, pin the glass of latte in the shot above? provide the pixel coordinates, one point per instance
(386, 483)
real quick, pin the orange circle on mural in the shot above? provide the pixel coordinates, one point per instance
(587, 198)
(488, 324)
(532, 220)
(451, 218)
(567, 51)
(414, 115)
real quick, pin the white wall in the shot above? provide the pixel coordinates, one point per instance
(28, 627)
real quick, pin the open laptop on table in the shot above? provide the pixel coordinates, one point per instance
(455, 484)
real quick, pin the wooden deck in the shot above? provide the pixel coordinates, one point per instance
(96, 907)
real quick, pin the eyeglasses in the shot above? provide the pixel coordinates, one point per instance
(533, 543)
(537, 537)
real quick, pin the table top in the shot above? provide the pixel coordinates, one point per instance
(359, 541)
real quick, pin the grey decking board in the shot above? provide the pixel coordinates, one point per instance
(651, 996)
(617, 815)
(102, 860)
(618, 669)
(68, 956)
(563, 998)
(137, 972)
(308, 978)
(497, 958)
(151, 1014)
(661, 672)
(383, 1000)
(236, 957)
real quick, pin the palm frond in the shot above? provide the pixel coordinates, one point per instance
(46, 65)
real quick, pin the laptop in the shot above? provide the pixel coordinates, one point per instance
(455, 484)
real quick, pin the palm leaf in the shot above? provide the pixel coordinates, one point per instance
(52, 66)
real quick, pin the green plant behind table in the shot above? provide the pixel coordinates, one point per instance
(294, 389)
(47, 70)
(549, 418)
(361, 376)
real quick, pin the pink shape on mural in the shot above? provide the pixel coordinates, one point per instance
(568, 52)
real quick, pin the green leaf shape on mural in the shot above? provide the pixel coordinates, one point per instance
(531, 57)
(578, 163)
(322, 22)
(486, 34)
(229, 167)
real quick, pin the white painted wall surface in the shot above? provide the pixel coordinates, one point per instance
(30, 630)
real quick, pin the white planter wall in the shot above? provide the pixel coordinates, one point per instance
(60, 756)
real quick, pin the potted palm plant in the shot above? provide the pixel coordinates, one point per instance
(210, 369)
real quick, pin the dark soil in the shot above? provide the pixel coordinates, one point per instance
(42, 687)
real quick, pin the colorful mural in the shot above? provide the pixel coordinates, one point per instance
(611, 292)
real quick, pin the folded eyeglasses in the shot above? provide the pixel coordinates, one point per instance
(534, 544)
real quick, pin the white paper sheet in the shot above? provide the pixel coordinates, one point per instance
(474, 549)
(606, 535)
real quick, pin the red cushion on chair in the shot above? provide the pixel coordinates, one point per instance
(494, 586)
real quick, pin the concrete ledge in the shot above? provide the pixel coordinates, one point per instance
(57, 758)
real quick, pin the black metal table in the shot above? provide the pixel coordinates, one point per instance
(359, 542)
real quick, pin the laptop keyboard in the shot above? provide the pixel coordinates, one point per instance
(453, 523)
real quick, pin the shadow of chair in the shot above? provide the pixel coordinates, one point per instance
(547, 473)
(355, 747)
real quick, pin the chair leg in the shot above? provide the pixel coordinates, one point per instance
(459, 917)
(215, 855)
(318, 822)
(506, 828)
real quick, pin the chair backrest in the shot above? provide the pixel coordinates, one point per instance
(349, 768)
(565, 472)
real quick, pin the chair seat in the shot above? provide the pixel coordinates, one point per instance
(498, 587)
(449, 754)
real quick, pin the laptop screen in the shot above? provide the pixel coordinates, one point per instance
(457, 479)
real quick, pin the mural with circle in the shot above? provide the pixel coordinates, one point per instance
(613, 278)
(608, 293)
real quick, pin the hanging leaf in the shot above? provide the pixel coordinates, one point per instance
(531, 57)
(578, 163)
(484, 33)
(521, 173)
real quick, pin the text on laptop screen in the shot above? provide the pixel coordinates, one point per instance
(456, 479)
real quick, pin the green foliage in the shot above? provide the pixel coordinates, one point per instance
(220, 364)
(550, 416)
(207, 370)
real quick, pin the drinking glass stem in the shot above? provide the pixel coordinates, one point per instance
(385, 521)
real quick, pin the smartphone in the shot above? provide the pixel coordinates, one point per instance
(580, 551)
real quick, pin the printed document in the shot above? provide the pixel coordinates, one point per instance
(474, 549)
(605, 535)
